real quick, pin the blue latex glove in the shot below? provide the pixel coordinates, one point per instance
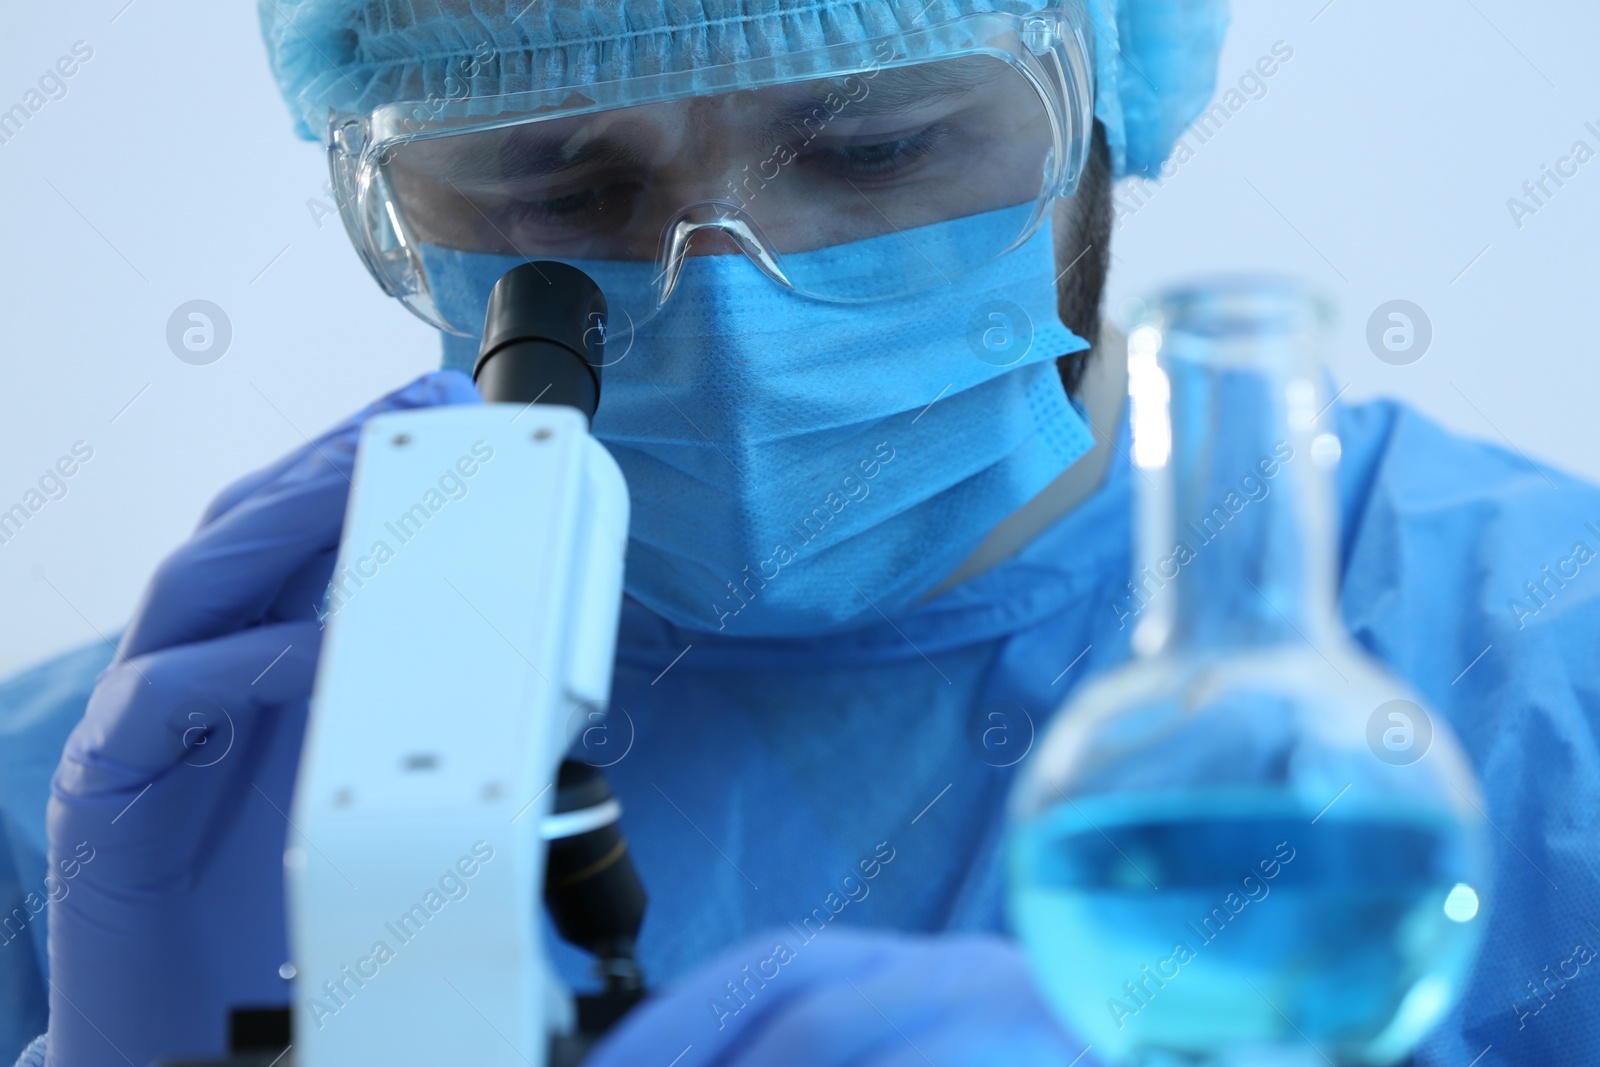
(172, 793)
(848, 997)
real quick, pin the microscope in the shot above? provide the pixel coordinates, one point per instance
(435, 803)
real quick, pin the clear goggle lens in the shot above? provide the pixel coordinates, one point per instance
(776, 173)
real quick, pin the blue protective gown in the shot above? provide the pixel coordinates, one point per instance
(761, 773)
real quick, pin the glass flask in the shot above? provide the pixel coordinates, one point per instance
(1251, 844)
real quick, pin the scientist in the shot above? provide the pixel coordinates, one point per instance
(854, 251)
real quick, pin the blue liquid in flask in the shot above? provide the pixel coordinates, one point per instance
(1229, 928)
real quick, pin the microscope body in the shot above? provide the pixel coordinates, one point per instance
(470, 636)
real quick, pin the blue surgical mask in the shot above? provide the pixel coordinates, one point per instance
(798, 467)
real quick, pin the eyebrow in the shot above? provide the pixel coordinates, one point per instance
(890, 91)
(528, 153)
(539, 156)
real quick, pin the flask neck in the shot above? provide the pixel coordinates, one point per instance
(1237, 526)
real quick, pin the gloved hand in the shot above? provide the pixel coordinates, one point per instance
(865, 999)
(173, 793)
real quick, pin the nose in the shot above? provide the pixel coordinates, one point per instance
(713, 228)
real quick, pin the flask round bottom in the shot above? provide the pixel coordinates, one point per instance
(1232, 927)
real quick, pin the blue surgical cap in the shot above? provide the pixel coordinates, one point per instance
(1155, 60)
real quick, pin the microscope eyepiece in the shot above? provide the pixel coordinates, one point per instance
(543, 338)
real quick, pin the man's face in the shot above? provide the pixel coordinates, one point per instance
(810, 165)
(813, 164)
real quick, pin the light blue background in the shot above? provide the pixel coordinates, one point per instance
(1377, 164)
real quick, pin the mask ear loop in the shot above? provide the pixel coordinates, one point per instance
(719, 216)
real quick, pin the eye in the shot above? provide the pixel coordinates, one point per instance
(879, 159)
(594, 209)
(571, 204)
(590, 201)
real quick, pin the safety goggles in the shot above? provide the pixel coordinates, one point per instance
(872, 145)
